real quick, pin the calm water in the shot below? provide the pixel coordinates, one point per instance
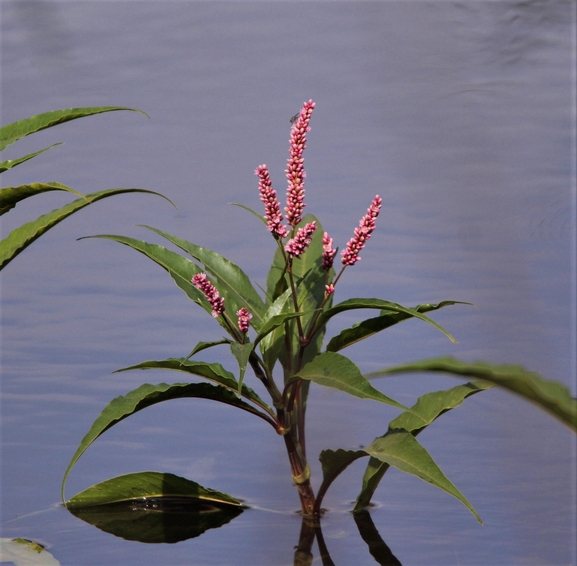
(460, 115)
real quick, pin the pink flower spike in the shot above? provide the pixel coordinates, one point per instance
(297, 245)
(243, 319)
(295, 173)
(328, 252)
(201, 282)
(273, 214)
(366, 226)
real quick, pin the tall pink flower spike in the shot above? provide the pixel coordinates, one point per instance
(201, 282)
(271, 204)
(328, 252)
(295, 173)
(366, 226)
(243, 319)
(297, 245)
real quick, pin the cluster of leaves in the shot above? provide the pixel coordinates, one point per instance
(22, 237)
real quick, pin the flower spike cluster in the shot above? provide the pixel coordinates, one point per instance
(295, 170)
(268, 196)
(243, 319)
(328, 252)
(366, 226)
(297, 245)
(201, 282)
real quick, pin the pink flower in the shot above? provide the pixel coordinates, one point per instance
(295, 170)
(201, 282)
(329, 289)
(328, 252)
(301, 241)
(243, 319)
(271, 205)
(366, 226)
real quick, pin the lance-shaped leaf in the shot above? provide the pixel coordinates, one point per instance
(149, 485)
(22, 237)
(242, 354)
(10, 163)
(205, 345)
(403, 451)
(552, 396)
(214, 372)
(337, 371)
(180, 268)
(11, 196)
(371, 326)
(377, 304)
(232, 283)
(259, 216)
(273, 344)
(147, 395)
(428, 408)
(17, 130)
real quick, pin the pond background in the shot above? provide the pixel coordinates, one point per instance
(460, 115)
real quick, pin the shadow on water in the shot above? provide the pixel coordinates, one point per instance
(175, 519)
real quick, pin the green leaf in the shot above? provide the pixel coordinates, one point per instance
(333, 463)
(428, 408)
(205, 345)
(22, 237)
(377, 304)
(552, 396)
(11, 196)
(371, 326)
(17, 130)
(154, 507)
(147, 484)
(275, 321)
(232, 282)
(272, 346)
(336, 371)
(242, 353)
(147, 395)
(213, 372)
(24, 552)
(403, 451)
(10, 163)
(259, 216)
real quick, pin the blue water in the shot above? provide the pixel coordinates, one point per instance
(460, 115)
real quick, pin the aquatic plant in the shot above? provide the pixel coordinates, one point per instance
(280, 336)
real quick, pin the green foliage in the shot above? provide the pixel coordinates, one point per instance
(22, 237)
(24, 552)
(288, 329)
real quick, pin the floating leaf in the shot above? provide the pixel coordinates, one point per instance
(147, 395)
(552, 396)
(24, 552)
(22, 237)
(336, 371)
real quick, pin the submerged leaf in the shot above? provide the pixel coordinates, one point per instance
(552, 396)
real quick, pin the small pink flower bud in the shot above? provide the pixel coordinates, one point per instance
(366, 226)
(271, 204)
(329, 289)
(200, 281)
(243, 319)
(328, 252)
(297, 245)
(295, 169)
